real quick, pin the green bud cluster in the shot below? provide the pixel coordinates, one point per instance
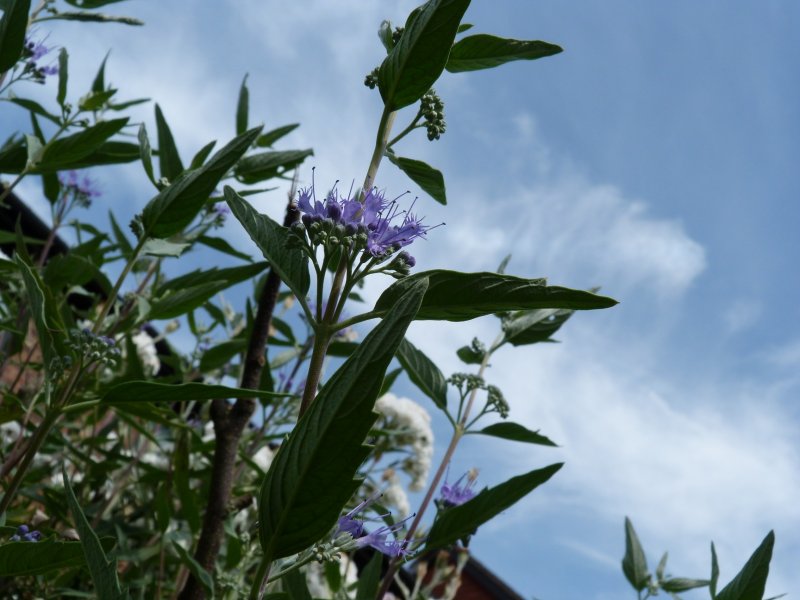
(496, 401)
(432, 109)
(466, 382)
(93, 348)
(397, 34)
(59, 365)
(371, 80)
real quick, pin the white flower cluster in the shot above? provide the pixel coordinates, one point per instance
(146, 350)
(414, 425)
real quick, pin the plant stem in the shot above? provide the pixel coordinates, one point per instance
(260, 580)
(112, 296)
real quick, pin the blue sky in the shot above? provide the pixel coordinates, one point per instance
(656, 157)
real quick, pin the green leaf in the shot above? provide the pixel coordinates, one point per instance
(229, 276)
(483, 51)
(222, 245)
(221, 354)
(119, 236)
(454, 296)
(516, 432)
(159, 247)
(102, 570)
(312, 475)
(712, 587)
(71, 270)
(458, 522)
(175, 207)
(182, 301)
(50, 187)
(42, 307)
(750, 582)
(662, 565)
(99, 83)
(242, 107)
(683, 584)
(150, 391)
(94, 101)
(169, 161)
(266, 140)
(531, 327)
(195, 567)
(295, 583)
(65, 153)
(63, 76)
(270, 237)
(425, 176)
(91, 18)
(424, 373)
(202, 155)
(416, 62)
(470, 356)
(36, 108)
(266, 165)
(146, 153)
(18, 559)
(369, 578)
(634, 564)
(13, 26)
(90, 4)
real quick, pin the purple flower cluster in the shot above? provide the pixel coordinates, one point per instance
(456, 494)
(24, 534)
(378, 539)
(35, 51)
(386, 228)
(80, 189)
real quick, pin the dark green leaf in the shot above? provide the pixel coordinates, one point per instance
(102, 570)
(516, 432)
(290, 263)
(683, 584)
(90, 4)
(18, 559)
(464, 27)
(416, 62)
(634, 564)
(63, 75)
(266, 165)
(662, 565)
(197, 570)
(99, 83)
(454, 296)
(96, 100)
(184, 300)
(91, 18)
(312, 475)
(169, 161)
(50, 187)
(342, 348)
(483, 51)
(424, 373)
(65, 153)
(470, 356)
(714, 572)
(202, 155)
(531, 327)
(750, 582)
(388, 381)
(72, 269)
(13, 26)
(145, 153)
(461, 521)
(429, 179)
(369, 578)
(295, 583)
(159, 247)
(229, 275)
(36, 108)
(222, 245)
(175, 207)
(221, 354)
(242, 107)
(266, 140)
(150, 391)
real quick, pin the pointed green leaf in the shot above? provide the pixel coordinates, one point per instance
(13, 26)
(634, 564)
(169, 161)
(266, 165)
(242, 107)
(662, 565)
(150, 391)
(66, 153)
(531, 327)
(312, 475)
(196, 568)
(90, 4)
(91, 18)
(18, 559)
(102, 570)
(175, 206)
(416, 62)
(425, 176)
(458, 522)
(222, 245)
(423, 372)
(369, 578)
(270, 237)
(36, 108)
(454, 296)
(202, 155)
(119, 236)
(146, 153)
(99, 82)
(63, 76)
(516, 432)
(712, 587)
(295, 583)
(750, 582)
(229, 275)
(159, 247)
(683, 584)
(483, 51)
(266, 140)
(221, 354)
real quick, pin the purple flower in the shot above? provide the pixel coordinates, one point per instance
(24, 534)
(35, 51)
(456, 494)
(80, 189)
(378, 539)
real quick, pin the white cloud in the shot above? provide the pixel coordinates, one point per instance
(742, 315)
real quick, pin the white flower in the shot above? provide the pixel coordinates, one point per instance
(415, 425)
(146, 350)
(263, 458)
(394, 495)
